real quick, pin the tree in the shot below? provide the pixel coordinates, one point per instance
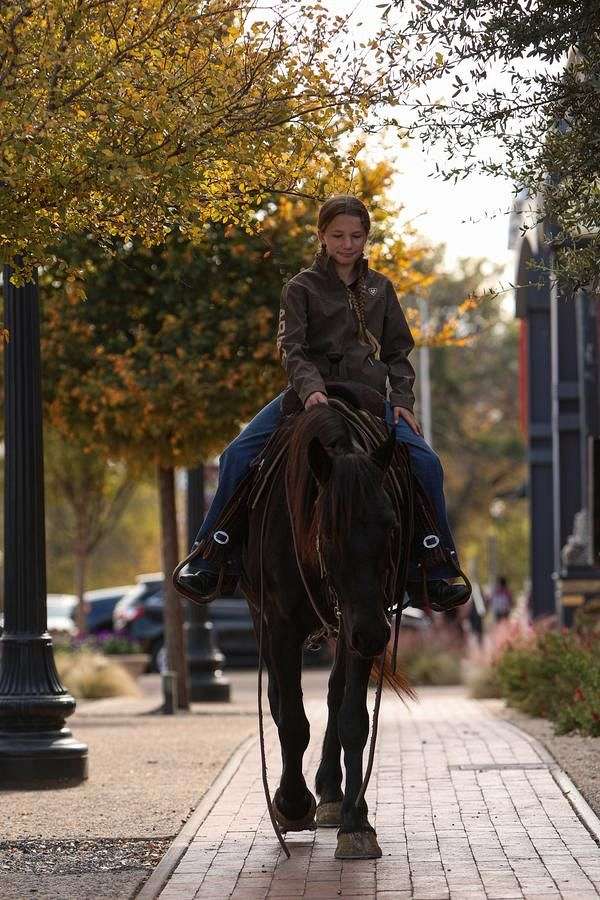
(89, 495)
(157, 367)
(124, 119)
(511, 88)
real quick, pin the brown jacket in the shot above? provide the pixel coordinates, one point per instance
(317, 326)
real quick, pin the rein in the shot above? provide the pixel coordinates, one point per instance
(261, 729)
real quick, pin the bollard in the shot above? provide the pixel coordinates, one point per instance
(169, 689)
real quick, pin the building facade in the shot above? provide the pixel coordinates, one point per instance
(560, 400)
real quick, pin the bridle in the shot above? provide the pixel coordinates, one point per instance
(331, 591)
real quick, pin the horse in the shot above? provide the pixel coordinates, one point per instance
(317, 554)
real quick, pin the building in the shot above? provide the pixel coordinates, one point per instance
(560, 400)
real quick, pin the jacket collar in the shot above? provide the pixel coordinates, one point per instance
(326, 264)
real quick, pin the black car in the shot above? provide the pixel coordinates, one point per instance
(100, 605)
(139, 616)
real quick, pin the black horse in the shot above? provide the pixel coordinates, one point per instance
(319, 551)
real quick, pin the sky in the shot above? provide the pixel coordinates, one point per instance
(470, 217)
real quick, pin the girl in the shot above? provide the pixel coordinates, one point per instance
(340, 318)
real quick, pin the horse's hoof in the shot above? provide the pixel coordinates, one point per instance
(329, 815)
(306, 823)
(357, 845)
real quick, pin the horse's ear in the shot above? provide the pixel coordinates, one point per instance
(319, 460)
(384, 454)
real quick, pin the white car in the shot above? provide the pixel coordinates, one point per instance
(61, 609)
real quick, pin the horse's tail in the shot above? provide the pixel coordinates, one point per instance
(394, 677)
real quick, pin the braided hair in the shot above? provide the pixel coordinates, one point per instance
(346, 204)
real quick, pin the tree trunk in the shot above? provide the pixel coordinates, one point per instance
(80, 573)
(173, 611)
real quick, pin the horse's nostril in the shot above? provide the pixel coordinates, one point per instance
(372, 642)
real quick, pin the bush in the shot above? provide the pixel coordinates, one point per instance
(484, 683)
(89, 675)
(481, 668)
(117, 645)
(556, 676)
(103, 642)
(430, 658)
(587, 618)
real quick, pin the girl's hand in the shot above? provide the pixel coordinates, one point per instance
(401, 413)
(314, 398)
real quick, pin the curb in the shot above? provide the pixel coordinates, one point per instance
(578, 802)
(161, 874)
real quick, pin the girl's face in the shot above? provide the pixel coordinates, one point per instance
(345, 238)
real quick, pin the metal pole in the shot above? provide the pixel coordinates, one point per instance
(36, 747)
(207, 683)
(424, 375)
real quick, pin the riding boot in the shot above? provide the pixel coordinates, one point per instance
(200, 575)
(441, 594)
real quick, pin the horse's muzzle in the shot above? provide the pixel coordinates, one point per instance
(370, 640)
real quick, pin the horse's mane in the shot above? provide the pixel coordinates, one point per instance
(351, 483)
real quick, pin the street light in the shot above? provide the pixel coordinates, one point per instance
(36, 747)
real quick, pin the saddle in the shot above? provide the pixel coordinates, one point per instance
(360, 396)
(365, 409)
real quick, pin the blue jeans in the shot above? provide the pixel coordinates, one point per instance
(236, 458)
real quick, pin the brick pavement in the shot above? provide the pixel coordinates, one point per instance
(465, 806)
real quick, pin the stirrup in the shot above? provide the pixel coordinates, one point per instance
(227, 581)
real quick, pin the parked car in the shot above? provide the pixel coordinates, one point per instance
(139, 616)
(100, 605)
(61, 614)
(61, 611)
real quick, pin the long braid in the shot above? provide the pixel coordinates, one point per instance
(357, 300)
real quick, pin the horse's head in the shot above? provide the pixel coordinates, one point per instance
(354, 519)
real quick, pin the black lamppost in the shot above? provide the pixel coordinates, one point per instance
(36, 747)
(205, 660)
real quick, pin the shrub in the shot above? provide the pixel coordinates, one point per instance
(484, 683)
(92, 676)
(556, 676)
(481, 667)
(430, 658)
(587, 618)
(103, 642)
(116, 645)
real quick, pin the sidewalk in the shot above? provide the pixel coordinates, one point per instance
(102, 839)
(465, 806)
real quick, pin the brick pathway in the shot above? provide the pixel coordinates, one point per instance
(465, 806)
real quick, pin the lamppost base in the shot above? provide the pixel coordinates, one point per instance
(205, 662)
(38, 759)
(209, 687)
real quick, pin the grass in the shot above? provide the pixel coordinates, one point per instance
(91, 676)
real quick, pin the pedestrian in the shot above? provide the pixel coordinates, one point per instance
(501, 600)
(340, 318)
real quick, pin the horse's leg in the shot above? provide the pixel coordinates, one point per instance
(356, 838)
(328, 782)
(293, 803)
